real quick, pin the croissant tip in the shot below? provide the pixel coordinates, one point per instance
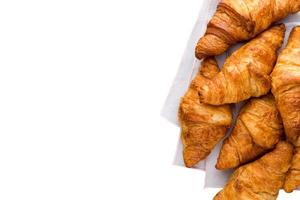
(296, 27)
(188, 166)
(288, 190)
(189, 159)
(199, 55)
(189, 163)
(220, 166)
(217, 166)
(281, 25)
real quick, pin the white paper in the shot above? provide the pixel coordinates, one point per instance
(187, 70)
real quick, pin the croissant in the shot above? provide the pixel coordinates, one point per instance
(286, 89)
(238, 20)
(292, 180)
(246, 72)
(286, 86)
(203, 126)
(258, 129)
(261, 179)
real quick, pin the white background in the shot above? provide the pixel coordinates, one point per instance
(81, 88)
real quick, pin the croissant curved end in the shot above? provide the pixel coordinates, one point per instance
(210, 45)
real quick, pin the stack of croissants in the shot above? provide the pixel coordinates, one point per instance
(263, 147)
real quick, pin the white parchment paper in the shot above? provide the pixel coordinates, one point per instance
(187, 70)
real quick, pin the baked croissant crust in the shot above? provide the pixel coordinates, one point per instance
(246, 72)
(261, 179)
(258, 129)
(238, 20)
(286, 86)
(292, 180)
(203, 126)
(286, 89)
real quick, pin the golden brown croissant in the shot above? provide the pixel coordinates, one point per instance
(238, 20)
(203, 126)
(246, 72)
(286, 89)
(261, 179)
(258, 129)
(286, 86)
(292, 180)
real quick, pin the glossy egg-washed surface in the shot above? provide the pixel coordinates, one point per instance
(239, 20)
(203, 126)
(261, 179)
(246, 73)
(286, 89)
(258, 129)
